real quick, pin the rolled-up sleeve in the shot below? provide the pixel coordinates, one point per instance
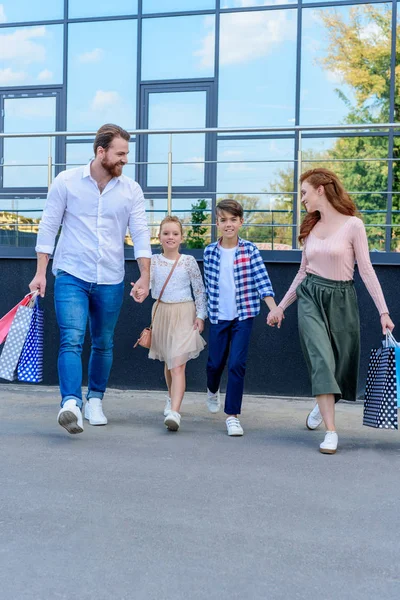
(52, 216)
(138, 227)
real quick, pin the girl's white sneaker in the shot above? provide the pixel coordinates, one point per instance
(167, 406)
(314, 419)
(172, 420)
(330, 443)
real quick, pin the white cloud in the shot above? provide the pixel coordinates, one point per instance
(20, 46)
(91, 57)
(24, 108)
(3, 18)
(198, 162)
(232, 153)
(334, 76)
(103, 100)
(370, 32)
(8, 76)
(45, 75)
(240, 168)
(248, 36)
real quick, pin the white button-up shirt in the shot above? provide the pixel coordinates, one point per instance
(94, 225)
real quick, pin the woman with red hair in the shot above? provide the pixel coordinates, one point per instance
(333, 238)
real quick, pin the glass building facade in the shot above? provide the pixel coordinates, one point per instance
(72, 65)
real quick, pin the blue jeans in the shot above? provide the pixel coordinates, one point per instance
(229, 338)
(75, 301)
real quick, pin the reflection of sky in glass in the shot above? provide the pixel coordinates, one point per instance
(320, 103)
(178, 47)
(155, 6)
(252, 178)
(18, 11)
(257, 79)
(101, 8)
(249, 3)
(102, 75)
(27, 115)
(31, 55)
(177, 110)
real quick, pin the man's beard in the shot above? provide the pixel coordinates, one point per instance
(114, 169)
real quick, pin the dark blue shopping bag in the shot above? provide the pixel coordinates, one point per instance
(30, 365)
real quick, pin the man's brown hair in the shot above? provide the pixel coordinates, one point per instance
(230, 206)
(106, 134)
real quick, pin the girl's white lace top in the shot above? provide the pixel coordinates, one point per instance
(187, 274)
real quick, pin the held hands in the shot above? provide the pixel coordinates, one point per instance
(199, 324)
(386, 323)
(38, 284)
(140, 290)
(275, 317)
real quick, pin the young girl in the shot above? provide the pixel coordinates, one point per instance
(178, 321)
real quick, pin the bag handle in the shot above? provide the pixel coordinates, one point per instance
(163, 289)
(390, 341)
(32, 301)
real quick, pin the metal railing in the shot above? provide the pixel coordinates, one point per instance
(297, 133)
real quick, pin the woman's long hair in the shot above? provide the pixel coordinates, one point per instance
(335, 193)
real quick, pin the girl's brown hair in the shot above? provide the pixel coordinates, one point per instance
(335, 193)
(171, 219)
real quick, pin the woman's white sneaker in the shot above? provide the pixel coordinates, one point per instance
(167, 406)
(172, 420)
(94, 412)
(314, 418)
(213, 401)
(70, 417)
(330, 443)
(233, 426)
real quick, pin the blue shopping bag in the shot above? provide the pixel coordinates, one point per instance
(391, 342)
(30, 365)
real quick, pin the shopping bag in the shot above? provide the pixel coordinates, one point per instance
(380, 402)
(15, 341)
(391, 342)
(6, 321)
(30, 365)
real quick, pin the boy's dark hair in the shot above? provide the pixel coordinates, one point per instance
(106, 134)
(230, 206)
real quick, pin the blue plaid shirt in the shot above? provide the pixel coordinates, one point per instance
(251, 279)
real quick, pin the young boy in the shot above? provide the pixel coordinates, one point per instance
(236, 279)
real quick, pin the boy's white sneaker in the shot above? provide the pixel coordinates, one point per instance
(94, 412)
(167, 406)
(233, 426)
(70, 417)
(314, 419)
(213, 401)
(330, 443)
(172, 420)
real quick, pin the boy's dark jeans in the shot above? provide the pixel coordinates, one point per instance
(229, 338)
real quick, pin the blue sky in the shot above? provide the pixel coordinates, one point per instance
(256, 78)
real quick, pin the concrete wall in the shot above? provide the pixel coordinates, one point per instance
(275, 366)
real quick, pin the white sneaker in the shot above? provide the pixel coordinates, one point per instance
(172, 420)
(70, 417)
(314, 418)
(94, 412)
(330, 443)
(167, 406)
(213, 401)
(233, 426)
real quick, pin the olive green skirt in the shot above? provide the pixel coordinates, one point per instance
(329, 328)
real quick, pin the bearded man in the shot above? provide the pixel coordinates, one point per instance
(95, 204)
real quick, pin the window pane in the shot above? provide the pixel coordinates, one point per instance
(19, 220)
(25, 115)
(31, 55)
(101, 8)
(184, 48)
(172, 111)
(257, 80)
(96, 49)
(248, 3)
(259, 175)
(154, 6)
(361, 164)
(346, 59)
(23, 11)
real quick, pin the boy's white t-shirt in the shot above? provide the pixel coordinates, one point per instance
(227, 309)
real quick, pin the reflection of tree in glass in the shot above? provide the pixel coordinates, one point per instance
(196, 237)
(359, 51)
